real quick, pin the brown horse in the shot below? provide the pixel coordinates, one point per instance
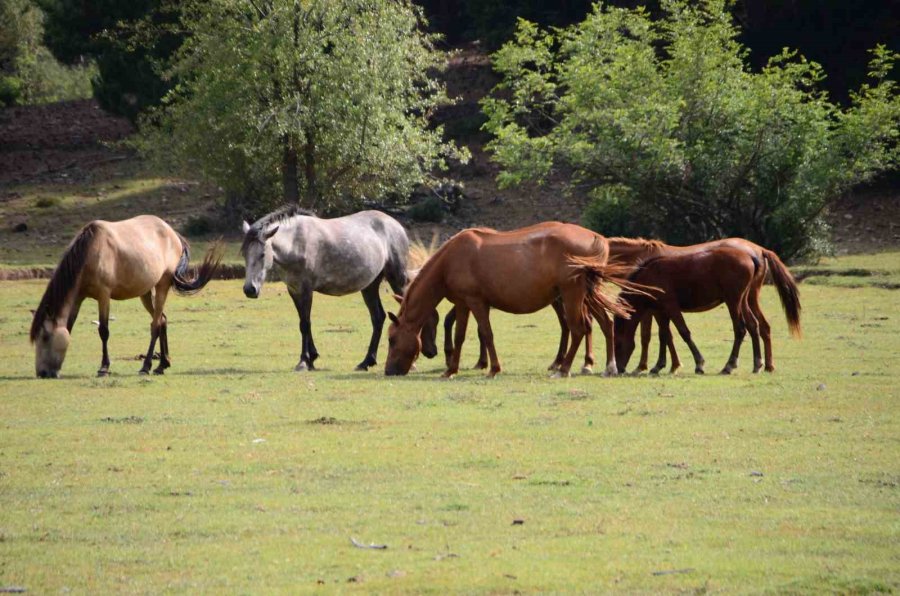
(139, 257)
(632, 251)
(696, 282)
(521, 271)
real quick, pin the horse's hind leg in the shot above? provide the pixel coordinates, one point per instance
(164, 361)
(740, 329)
(765, 330)
(159, 303)
(753, 327)
(482, 362)
(376, 313)
(103, 307)
(563, 334)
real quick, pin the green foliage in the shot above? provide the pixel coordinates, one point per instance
(668, 111)
(130, 42)
(28, 71)
(324, 100)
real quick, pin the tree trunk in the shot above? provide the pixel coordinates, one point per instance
(289, 171)
(309, 166)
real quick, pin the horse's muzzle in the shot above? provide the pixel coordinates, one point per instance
(251, 291)
(393, 371)
(46, 374)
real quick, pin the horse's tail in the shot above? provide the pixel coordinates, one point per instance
(787, 291)
(185, 285)
(595, 271)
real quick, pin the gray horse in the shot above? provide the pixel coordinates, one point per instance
(332, 256)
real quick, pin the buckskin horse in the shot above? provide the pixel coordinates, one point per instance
(699, 281)
(138, 257)
(521, 271)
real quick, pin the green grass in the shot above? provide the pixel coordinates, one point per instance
(234, 474)
(880, 270)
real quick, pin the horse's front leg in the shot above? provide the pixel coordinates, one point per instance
(449, 320)
(677, 318)
(481, 312)
(646, 335)
(303, 303)
(665, 336)
(377, 315)
(103, 330)
(462, 322)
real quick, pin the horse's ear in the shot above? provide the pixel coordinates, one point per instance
(271, 232)
(398, 298)
(393, 318)
(245, 227)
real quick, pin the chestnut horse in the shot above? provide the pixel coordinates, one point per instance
(138, 257)
(631, 252)
(520, 272)
(696, 282)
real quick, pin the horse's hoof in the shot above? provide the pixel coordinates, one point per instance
(159, 371)
(143, 372)
(301, 367)
(770, 369)
(103, 372)
(611, 371)
(674, 370)
(361, 368)
(492, 375)
(448, 375)
(725, 371)
(654, 372)
(699, 371)
(480, 366)
(559, 375)
(587, 370)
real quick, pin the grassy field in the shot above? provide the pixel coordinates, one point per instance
(234, 474)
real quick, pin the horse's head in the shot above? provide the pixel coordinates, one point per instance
(624, 342)
(50, 347)
(257, 251)
(404, 345)
(428, 335)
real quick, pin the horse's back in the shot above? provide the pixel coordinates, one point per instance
(131, 256)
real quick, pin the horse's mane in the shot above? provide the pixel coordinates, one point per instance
(433, 259)
(281, 214)
(658, 244)
(64, 278)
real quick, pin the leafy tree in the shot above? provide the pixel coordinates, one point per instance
(130, 42)
(327, 100)
(673, 135)
(28, 71)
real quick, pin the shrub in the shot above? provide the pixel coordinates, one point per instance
(669, 111)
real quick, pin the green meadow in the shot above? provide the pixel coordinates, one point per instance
(233, 474)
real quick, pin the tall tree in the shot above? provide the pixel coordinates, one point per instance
(316, 101)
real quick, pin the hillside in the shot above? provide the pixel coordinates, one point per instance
(62, 165)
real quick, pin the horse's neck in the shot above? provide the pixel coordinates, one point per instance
(424, 294)
(632, 251)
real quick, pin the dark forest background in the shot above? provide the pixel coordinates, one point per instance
(835, 33)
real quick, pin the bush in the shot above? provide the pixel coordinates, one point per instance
(669, 112)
